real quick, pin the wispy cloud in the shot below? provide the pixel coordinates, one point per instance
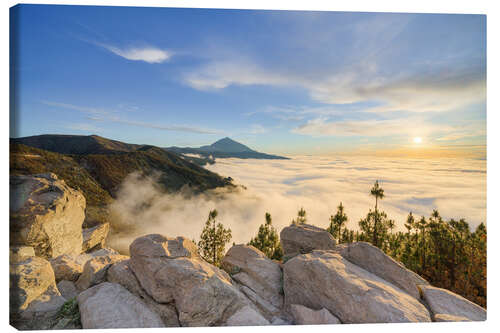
(149, 54)
(110, 115)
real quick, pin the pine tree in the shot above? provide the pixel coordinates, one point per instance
(267, 240)
(213, 240)
(378, 193)
(337, 222)
(301, 217)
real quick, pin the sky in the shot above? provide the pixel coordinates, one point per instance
(284, 82)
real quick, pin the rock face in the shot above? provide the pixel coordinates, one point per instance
(67, 289)
(375, 261)
(169, 269)
(95, 238)
(305, 316)
(95, 269)
(122, 274)
(34, 297)
(109, 305)
(323, 279)
(447, 306)
(260, 277)
(20, 253)
(304, 238)
(66, 268)
(46, 214)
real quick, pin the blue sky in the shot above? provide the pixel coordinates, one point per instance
(280, 81)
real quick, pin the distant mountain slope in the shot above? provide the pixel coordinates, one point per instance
(225, 148)
(97, 166)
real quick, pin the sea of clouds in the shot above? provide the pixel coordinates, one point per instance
(454, 186)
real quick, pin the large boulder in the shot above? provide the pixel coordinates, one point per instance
(375, 261)
(324, 279)
(34, 297)
(304, 238)
(20, 253)
(448, 306)
(95, 269)
(46, 214)
(170, 269)
(305, 316)
(67, 289)
(260, 277)
(109, 305)
(95, 238)
(122, 274)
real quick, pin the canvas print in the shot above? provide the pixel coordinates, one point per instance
(224, 167)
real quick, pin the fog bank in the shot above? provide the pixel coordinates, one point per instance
(456, 187)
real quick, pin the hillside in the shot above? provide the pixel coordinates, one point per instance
(97, 166)
(224, 148)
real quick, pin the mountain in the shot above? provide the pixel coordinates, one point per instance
(224, 148)
(97, 166)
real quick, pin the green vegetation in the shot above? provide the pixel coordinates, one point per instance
(267, 240)
(68, 315)
(301, 217)
(213, 240)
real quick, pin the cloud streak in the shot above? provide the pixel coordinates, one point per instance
(149, 54)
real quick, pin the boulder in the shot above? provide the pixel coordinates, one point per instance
(169, 269)
(67, 289)
(122, 274)
(109, 305)
(305, 316)
(447, 306)
(34, 297)
(324, 279)
(20, 253)
(66, 268)
(260, 277)
(94, 238)
(81, 259)
(375, 261)
(246, 316)
(95, 269)
(46, 214)
(304, 238)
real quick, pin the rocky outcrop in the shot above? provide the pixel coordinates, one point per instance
(325, 279)
(95, 269)
(109, 305)
(246, 316)
(169, 269)
(375, 261)
(46, 214)
(304, 238)
(122, 274)
(34, 297)
(305, 316)
(20, 253)
(95, 238)
(260, 277)
(448, 306)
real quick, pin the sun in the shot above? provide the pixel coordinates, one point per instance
(417, 139)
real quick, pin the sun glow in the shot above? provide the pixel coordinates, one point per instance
(417, 140)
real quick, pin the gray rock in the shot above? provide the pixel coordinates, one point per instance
(46, 214)
(95, 269)
(66, 268)
(375, 261)
(324, 279)
(169, 269)
(445, 305)
(305, 316)
(67, 289)
(246, 316)
(260, 276)
(109, 305)
(95, 238)
(122, 274)
(304, 238)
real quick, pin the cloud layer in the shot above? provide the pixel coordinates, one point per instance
(456, 187)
